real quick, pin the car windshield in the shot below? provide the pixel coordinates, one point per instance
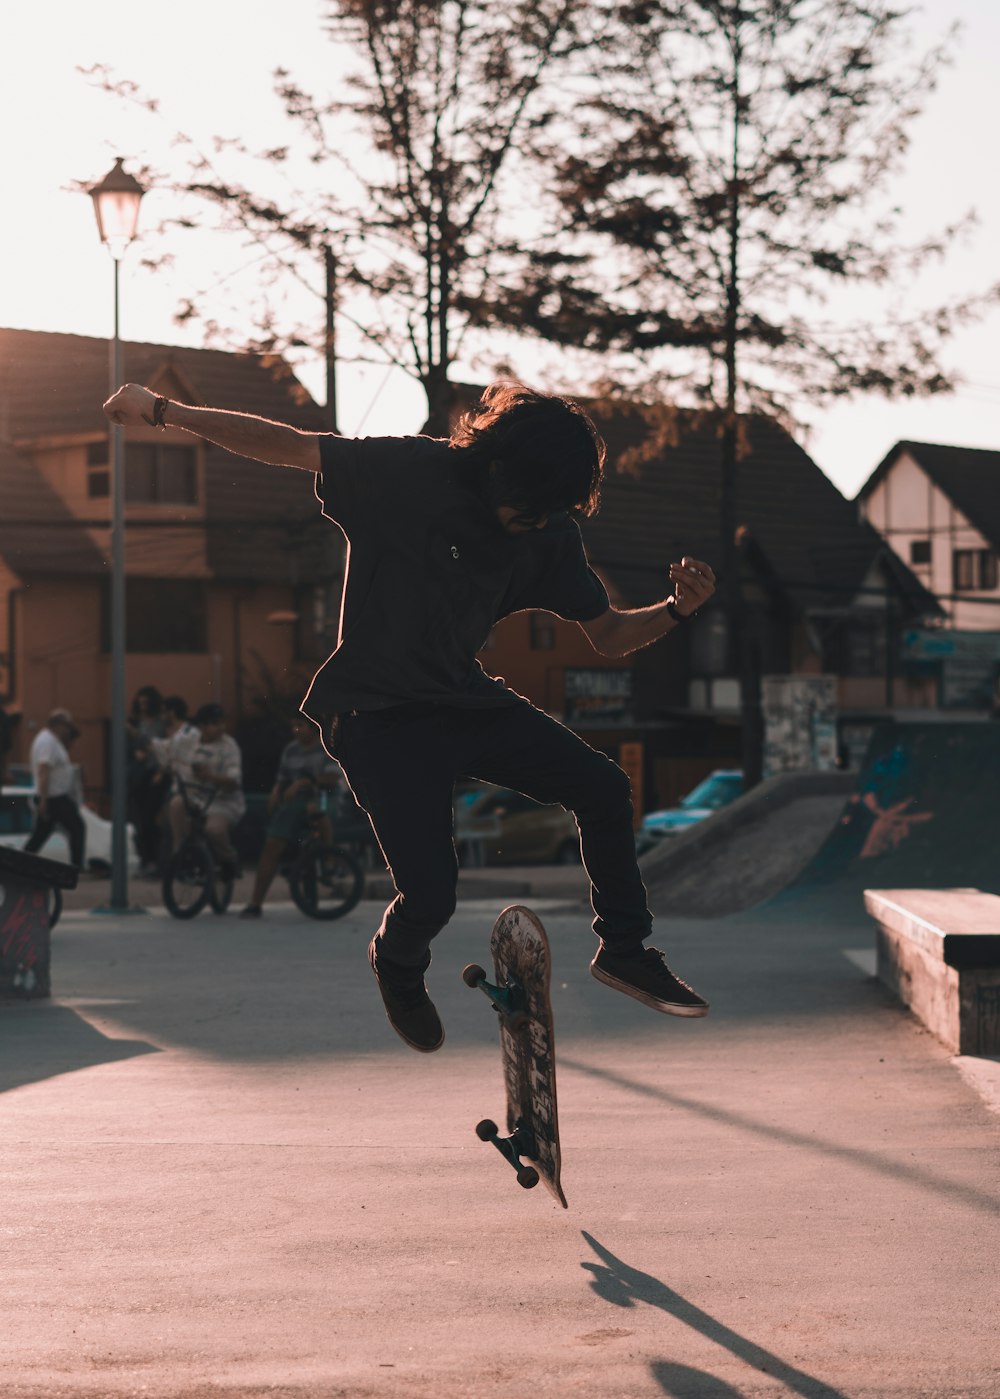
(715, 791)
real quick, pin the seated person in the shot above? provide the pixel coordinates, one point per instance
(211, 769)
(305, 769)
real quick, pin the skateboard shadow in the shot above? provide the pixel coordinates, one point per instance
(40, 1041)
(623, 1286)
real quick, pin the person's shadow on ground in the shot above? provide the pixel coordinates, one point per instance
(623, 1286)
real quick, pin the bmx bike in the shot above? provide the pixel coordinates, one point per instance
(194, 876)
(325, 881)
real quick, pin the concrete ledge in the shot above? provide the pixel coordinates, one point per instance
(938, 950)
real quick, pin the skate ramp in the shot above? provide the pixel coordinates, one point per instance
(925, 814)
(748, 851)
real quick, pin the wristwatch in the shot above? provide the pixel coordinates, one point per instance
(676, 616)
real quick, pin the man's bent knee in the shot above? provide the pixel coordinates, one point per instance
(608, 796)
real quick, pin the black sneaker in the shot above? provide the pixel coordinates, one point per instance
(647, 977)
(409, 1008)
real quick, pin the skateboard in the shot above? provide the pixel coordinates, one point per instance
(520, 996)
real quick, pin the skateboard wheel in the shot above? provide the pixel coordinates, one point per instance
(527, 1177)
(486, 1130)
(473, 975)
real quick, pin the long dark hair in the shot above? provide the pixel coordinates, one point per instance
(540, 452)
(155, 700)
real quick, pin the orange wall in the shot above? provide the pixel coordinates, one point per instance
(538, 675)
(59, 662)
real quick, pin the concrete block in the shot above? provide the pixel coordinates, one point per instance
(938, 950)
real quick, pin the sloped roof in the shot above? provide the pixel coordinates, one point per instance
(968, 476)
(38, 534)
(662, 498)
(809, 533)
(53, 385)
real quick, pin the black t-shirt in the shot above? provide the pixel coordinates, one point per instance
(430, 569)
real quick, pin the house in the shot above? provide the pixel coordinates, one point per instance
(824, 596)
(938, 508)
(232, 577)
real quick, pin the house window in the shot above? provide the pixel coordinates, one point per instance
(163, 616)
(542, 634)
(709, 643)
(920, 551)
(855, 646)
(973, 570)
(154, 474)
(160, 474)
(98, 475)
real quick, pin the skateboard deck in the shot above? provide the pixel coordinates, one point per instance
(520, 995)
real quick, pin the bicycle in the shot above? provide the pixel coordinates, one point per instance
(193, 876)
(325, 881)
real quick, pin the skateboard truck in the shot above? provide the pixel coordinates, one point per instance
(521, 1142)
(509, 1000)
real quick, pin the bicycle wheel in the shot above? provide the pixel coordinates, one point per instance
(326, 883)
(187, 884)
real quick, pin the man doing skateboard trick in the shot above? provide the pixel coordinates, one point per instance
(445, 538)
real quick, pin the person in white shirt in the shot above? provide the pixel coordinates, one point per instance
(212, 773)
(55, 785)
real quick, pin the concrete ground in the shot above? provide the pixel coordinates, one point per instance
(223, 1175)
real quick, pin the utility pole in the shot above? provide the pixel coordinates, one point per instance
(330, 340)
(742, 646)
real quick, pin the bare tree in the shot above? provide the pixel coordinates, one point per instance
(411, 167)
(715, 202)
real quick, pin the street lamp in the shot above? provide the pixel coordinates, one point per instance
(116, 204)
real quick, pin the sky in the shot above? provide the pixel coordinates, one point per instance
(209, 63)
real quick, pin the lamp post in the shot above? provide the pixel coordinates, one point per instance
(116, 204)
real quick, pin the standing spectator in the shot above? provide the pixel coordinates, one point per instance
(55, 784)
(305, 769)
(212, 771)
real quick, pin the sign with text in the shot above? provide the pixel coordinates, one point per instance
(604, 695)
(969, 663)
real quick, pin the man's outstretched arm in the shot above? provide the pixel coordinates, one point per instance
(618, 633)
(242, 433)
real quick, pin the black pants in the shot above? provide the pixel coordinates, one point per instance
(146, 801)
(62, 812)
(402, 765)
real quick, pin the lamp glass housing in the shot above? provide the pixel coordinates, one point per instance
(116, 206)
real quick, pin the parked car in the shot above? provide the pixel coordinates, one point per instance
(17, 816)
(501, 827)
(717, 790)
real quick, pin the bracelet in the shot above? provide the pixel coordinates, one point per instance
(159, 411)
(676, 616)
